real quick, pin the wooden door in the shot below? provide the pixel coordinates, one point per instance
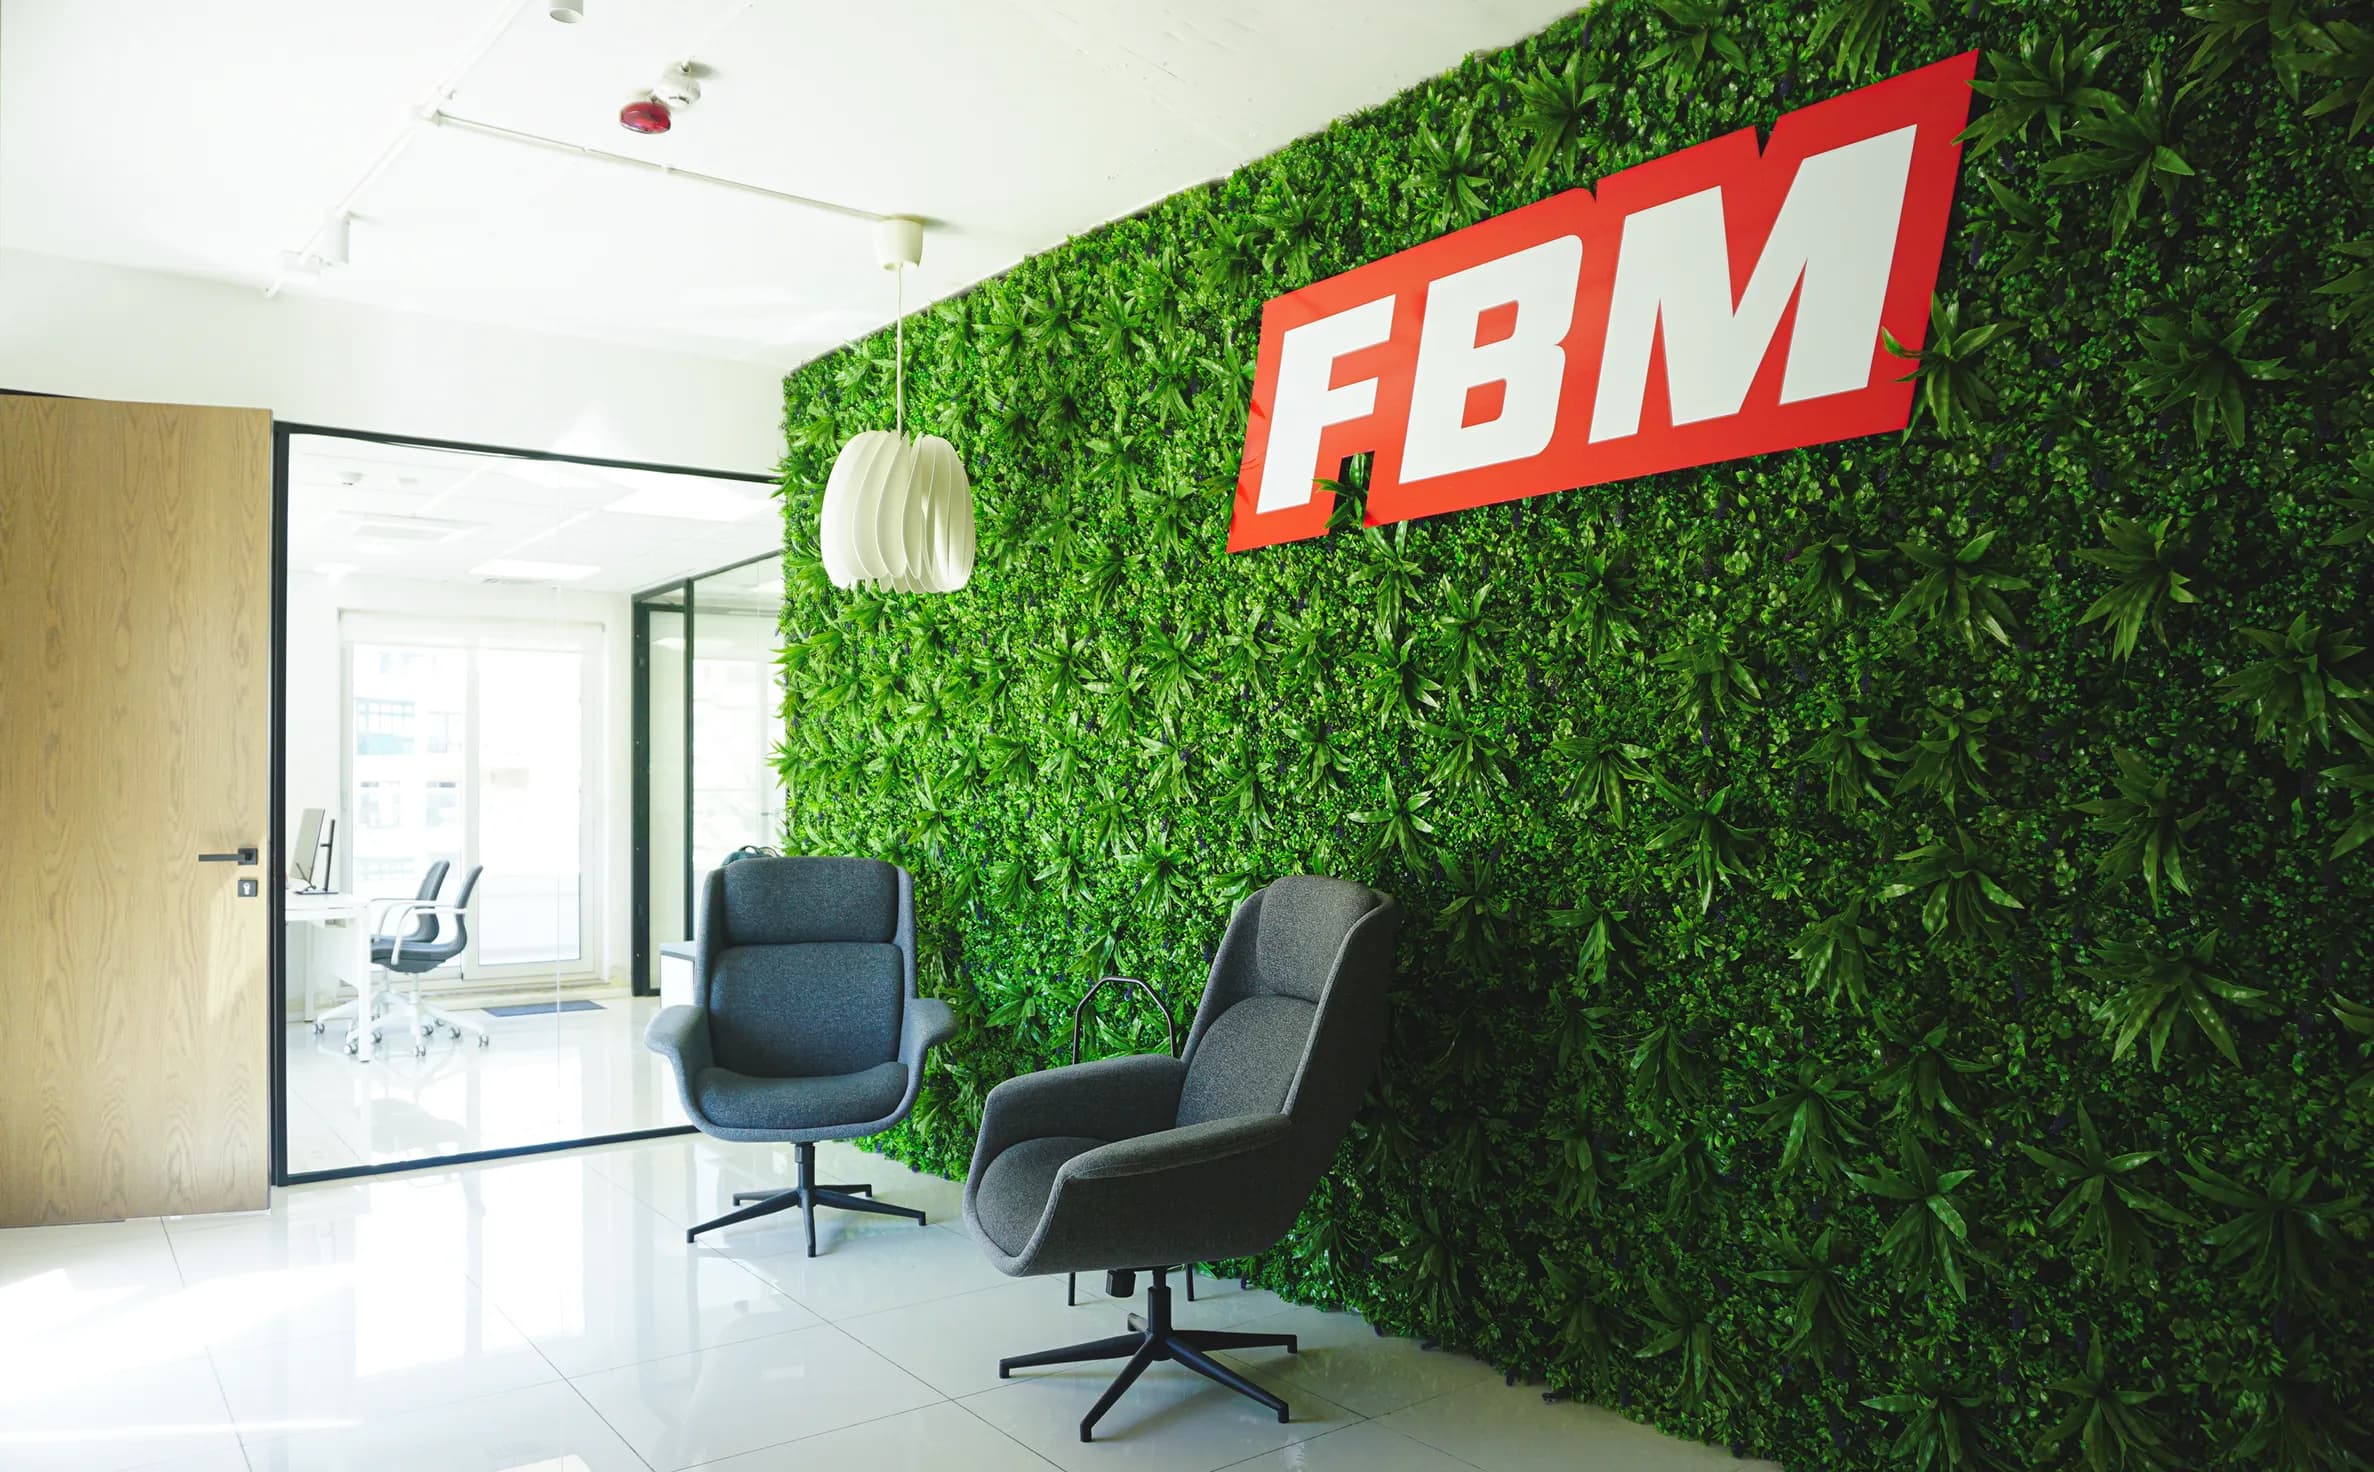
(135, 735)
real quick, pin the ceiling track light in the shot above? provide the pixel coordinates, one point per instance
(898, 513)
(336, 235)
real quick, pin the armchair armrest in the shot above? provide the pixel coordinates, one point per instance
(926, 1024)
(406, 909)
(1111, 1098)
(1173, 1149)
(681, 1035)
(1222, 1188)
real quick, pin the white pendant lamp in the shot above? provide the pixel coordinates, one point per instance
(898, 512)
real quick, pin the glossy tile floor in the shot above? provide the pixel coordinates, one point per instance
(546, 1314)
(565, 1076)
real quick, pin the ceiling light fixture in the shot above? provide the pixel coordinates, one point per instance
(898, 513)
(541, 572)
(567, 12)
(690, 501)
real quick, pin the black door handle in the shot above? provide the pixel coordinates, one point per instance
(243, 856)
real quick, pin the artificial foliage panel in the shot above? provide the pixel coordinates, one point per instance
(1885, 979)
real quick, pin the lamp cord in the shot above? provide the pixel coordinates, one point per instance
(899, 334)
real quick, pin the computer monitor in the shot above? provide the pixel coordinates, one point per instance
(305, 852)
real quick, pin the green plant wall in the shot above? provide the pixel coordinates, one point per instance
(1886, 971)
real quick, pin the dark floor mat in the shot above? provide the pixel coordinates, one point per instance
(540, 1009)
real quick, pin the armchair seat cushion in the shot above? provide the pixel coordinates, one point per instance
(739, 1101)
(1014, 1188)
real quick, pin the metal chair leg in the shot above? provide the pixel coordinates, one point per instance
(1154, 1337)
(1148, 1353)
(1211, 1369)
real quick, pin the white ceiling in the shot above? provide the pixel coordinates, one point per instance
(206, 136)
(380, 510)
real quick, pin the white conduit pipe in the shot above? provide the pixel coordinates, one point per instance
(444, 119)
(437, 96)
(432, 111)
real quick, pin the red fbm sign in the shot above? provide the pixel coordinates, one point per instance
(1717, 302)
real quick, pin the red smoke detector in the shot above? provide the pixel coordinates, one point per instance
(650, 115)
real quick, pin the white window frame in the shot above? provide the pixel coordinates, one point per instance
(474, 635)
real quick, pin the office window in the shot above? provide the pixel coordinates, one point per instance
(468, 748)
(384, 877)
(383, 727)
(379, 805)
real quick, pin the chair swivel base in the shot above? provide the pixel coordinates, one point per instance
(806, 1197)
(1154, 1338)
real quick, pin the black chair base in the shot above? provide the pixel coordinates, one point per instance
(806, 1197)
(1071, 1286)
(1152, 1338)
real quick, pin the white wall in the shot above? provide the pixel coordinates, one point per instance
(316, 731)
(97, 331)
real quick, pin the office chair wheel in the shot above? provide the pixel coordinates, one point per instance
(319, 1028)
(483, 1038)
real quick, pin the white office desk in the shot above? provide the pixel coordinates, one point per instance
(341, 923)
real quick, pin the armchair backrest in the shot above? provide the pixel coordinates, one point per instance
(1293, 1018)
(805, 965)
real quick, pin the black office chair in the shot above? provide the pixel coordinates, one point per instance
(424, 930)
(407, 957)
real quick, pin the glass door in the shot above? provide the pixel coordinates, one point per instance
(709, 716)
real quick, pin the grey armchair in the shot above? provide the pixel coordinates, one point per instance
(1147, 1162)
(805, 1023)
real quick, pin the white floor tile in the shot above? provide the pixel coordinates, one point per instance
(1362, 1447)
(95, 1412)
(1502, 1428)
(1171, 1420)
(70, 1297)
(541, 1079)
(222, 1459)
(953, 1344)
(546, 1428)
(417, 1321)
(717, 1403)
(864, 1264)
(598, 1313)
(938, 1438)
(1343, 1359)
(441, 1350)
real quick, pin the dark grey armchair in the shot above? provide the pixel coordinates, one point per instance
(805, 1023)
(1147, 1162)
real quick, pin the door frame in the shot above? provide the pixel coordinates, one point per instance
(276, 919)
(645, 603)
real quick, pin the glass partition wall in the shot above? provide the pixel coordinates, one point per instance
(709, 713)
(463, 668)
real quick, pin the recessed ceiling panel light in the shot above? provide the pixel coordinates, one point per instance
(556, 572)
(556, 475)
(690, 501)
